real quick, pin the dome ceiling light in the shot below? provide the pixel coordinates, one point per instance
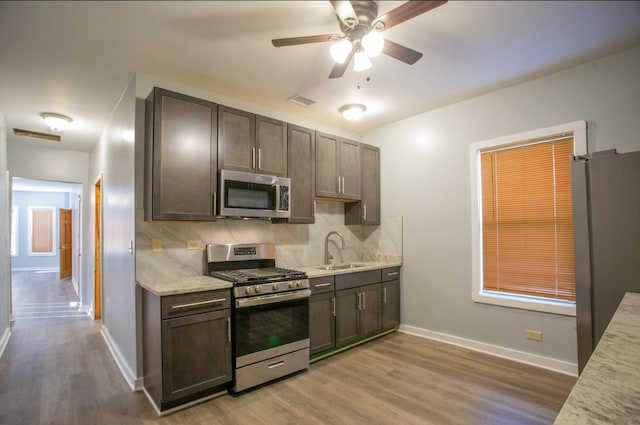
(56, 122)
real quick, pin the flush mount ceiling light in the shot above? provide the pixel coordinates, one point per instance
(352, 111)
(56, 122)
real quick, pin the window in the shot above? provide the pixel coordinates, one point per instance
(41, 231)
(523, 222)
(14, 231)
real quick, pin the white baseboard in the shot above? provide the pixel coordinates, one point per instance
(495, 350)
(136, 384)
(4, 341)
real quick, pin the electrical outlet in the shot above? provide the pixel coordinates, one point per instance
(194, 244)
(534, 335)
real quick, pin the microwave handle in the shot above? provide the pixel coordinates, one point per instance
(277, 197)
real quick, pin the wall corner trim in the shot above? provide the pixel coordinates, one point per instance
(549, 363)
(136, 384)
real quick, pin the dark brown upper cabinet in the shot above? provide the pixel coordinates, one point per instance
(367, 211)
(337, 168)
(251, 143)
(180, 157)
(301, 151)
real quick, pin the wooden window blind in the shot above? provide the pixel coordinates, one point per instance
(42, 231)
(527, 223)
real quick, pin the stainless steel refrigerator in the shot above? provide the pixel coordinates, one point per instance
(606, 219)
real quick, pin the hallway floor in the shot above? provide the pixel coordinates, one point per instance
(41, 295)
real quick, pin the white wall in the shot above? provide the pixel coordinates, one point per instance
(113, 158)
(61, 165)
(5, 277)
(425, 178)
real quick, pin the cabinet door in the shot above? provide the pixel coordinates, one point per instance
(349, 169)
(180, 157)
(196, 353)
(346, 315)
(271, 145)
(369, 315)
(236, 139)
(326, 166)
(367, 211)
(390, 305)
(302, 168)
(322, 331)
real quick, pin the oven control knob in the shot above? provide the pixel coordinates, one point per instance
(276, 286)
(249, 290)
(292, 284)
(258, 289)
(299, 284)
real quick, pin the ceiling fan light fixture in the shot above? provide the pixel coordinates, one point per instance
(352, 111)
(361, 61)
(373, 43)
(340, 50)
(56, 122)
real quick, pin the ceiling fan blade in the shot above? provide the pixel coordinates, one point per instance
(345, 12)
(292, 41)
(407, 11)
(339, 69)
(400, 52)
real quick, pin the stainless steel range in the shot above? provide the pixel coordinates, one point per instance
(270, 312)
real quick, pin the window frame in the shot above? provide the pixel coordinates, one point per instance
(53, 251)
(478, 294)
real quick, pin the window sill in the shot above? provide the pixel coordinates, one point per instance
(565, 308)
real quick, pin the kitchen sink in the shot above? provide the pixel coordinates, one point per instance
(340, 266)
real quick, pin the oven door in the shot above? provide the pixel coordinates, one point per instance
(270, 325)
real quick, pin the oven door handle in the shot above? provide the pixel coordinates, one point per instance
(270, 299)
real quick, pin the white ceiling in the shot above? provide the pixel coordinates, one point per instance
(76, 58)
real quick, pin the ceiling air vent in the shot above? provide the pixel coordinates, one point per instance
(35, 134)
(301, 100)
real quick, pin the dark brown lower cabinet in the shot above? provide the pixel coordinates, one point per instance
(322, 319)
(390, 305)
(186, 346)
(357, 313)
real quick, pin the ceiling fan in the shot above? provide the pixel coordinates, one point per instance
(361, 33)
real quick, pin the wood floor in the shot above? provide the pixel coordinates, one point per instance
(59, 371)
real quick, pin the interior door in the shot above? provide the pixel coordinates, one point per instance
(65, 243)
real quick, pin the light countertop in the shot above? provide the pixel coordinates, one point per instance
(182, 285)
(608, 390)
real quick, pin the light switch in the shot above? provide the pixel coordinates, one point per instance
(156, 245)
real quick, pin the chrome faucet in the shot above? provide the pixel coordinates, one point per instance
(328, 256)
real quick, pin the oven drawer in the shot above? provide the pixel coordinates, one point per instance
(267, 370)
(195, 302)
(320, 285)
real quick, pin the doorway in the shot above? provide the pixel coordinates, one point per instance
(97, 268)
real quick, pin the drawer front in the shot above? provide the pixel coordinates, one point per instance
(353, 280)
(390, 273)
(195, 302)
(320, 285)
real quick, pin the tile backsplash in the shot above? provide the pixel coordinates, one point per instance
(297, 245)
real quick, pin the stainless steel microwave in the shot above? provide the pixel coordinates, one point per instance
(253, 195)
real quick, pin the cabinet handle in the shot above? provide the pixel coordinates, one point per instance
(322, 285)
(339, 190)
(384, 295)
(229, 329)
(333, 306)
(359, 303)
(215, 201)
(253, 157)
(343, 185)
(393, 274)
(275, 365)
(364, 301)
(259, 158)
(364, 212)
(199, 303)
